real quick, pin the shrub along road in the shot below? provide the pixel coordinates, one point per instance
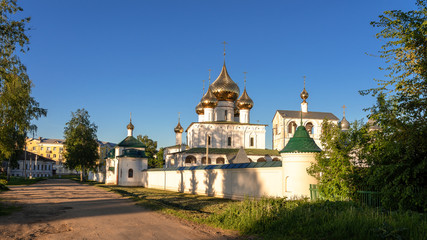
(64, 209)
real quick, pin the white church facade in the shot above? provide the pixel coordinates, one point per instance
(223, 127)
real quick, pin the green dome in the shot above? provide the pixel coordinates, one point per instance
(301, 142)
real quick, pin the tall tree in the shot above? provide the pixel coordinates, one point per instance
(338, 167)
(17, 107)
(151, 152)
(81, 143)
(398, 152)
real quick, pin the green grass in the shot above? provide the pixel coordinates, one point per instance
(23, 181)
(283, 219)
(6, 209)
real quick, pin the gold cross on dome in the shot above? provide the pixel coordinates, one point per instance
(203, 91)
(179, 116)
(209, 76)
(304, 80)
(343, 108)
(224, 46)
(245, 78)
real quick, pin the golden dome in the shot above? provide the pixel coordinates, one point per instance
(304, 95)
(178, 128)
(209, 100)
(130, 126)
(345, 125)
(224, 88)
(199, 109)
(244, 101)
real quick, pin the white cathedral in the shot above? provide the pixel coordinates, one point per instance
(223, 127)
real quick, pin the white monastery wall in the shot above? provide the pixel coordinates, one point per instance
(229, 183)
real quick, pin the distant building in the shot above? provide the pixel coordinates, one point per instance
(124, 163)
(223, 127)
(54, 149)
(33, 165)
(285, 123)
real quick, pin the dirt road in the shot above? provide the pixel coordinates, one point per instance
(63, 209)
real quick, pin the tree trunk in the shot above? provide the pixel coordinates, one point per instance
(8, 170)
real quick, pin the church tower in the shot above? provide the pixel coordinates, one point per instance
(178, 133)
(244, 104)
(344, 124)
(304, 96)
(130, 127)
(226, 91)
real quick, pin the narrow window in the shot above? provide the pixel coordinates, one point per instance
(209, 140)
(226, 113)
(229, 141)
(252, 141)
(130, 173)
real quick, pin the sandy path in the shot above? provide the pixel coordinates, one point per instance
(63, 209)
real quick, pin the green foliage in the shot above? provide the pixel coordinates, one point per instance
(17, 107)
(278, 218)
(155, 160)
(398, 153)
(336, 168)
(81, 142)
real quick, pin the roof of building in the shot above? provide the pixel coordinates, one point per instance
(249, 151)
(32, 156)
(301, 142)
(224, 88)
(240, 157)
(222, 166)
(133, 153)
(130, 141)
(52, 140)
(307, 115)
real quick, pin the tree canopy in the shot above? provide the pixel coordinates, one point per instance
(394, 156)
(155, 158)
(81, 142)
(17, 107)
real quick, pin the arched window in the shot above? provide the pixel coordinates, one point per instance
(130, 173)
(250, 160)
(276, 159)
(220, 160)
(229, 141)
(261, 160)
(226, 113)
(190, 159)
(291, 127)
(309, 127)
(209, 140)
(204, 160)
(252, 142)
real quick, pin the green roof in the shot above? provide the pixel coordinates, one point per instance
(133, 153)
(249, 151)
(130, 141)
(301, 142)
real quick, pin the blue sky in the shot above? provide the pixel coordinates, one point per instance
(150, 57)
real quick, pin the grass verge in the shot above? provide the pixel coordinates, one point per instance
(23, 181)
(283, 219)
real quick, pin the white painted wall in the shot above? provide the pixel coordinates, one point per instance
(295, 176)
(228, 183)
